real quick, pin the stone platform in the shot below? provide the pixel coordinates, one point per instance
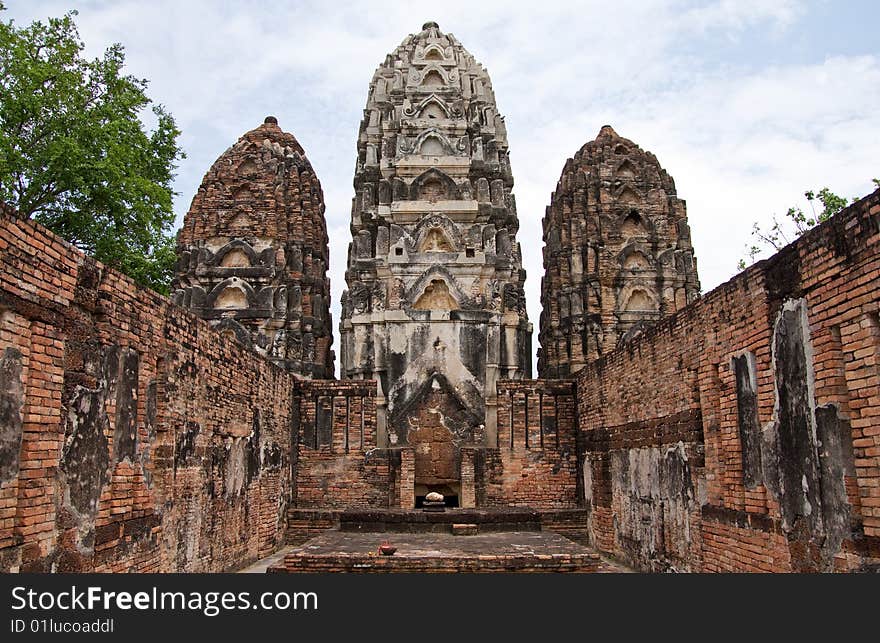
(303, 524)
(511, 551)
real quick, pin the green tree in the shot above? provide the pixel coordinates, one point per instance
(74, 154)
(795, 222)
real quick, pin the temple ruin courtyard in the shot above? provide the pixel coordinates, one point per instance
(668, 430)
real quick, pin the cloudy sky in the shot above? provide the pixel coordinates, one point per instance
(747, 103)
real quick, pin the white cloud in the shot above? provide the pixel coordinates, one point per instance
(734, 15)
(742, 139)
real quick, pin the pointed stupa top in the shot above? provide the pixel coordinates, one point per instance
(255, 176)
(609, 145)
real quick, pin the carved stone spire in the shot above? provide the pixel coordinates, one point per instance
(617, 253)
(252, 254)
(435, 303)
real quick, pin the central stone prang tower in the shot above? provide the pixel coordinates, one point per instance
(435, 309)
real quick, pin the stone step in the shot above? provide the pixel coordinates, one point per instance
(303, 524)
(464, 529)
(417, 521)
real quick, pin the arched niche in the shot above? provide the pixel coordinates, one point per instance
(230, 328)
(433, 79)
(432, 190)
(240, 220)
(231, 294)
(436, 241)
(436, 296)
(626, 170)
(633, 225)
(432, 142)
(247, 167)
(434, 52)
(242, 195)
(432, 146)
(448, 287)
(433, 185)
(235, 254)
(629, 196)
(432, 106)
(639, 301)
(235, 258)
(432, 111)
(231, 298)
(636, 261)
(432, 225)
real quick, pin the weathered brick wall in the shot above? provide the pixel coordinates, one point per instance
(132, 436)
(338, 465)
(743, 433)
(535, 468)
(536, 461)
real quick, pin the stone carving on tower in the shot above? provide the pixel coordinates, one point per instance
(435, 310)
(253, 253)
(617, 253)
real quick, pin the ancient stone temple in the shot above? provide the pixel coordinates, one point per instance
(253, 252)
(434, 310)
(731, 431)
(617, 253)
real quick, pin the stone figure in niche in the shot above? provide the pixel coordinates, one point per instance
(377, 297)
(436, 297)
(385, 189)
(432, 190)
(640, 301)
(493, 289)
(277, 343)
(512, 298)
(396, 292)
(294, 346)
(434, 79)
(436, 241)
(404, 145)
(388, 147)
(359, 298)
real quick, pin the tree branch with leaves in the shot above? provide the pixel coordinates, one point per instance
(795, 222)
(75, 155)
